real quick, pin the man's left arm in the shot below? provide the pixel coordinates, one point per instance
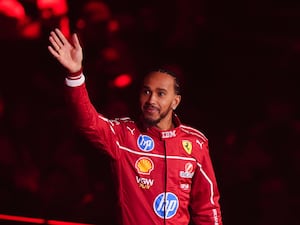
(204, 202)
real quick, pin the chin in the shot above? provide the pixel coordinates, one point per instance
(150, 121)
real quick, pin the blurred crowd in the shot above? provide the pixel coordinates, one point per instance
(238, 89)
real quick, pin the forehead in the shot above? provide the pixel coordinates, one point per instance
(159, 80)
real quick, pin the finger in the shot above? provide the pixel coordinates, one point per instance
(56, 40)
(62, 38)
(76, 41)
(53, 42)
(53, 52)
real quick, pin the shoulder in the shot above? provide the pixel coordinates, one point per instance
(193, 132)
(127, 121)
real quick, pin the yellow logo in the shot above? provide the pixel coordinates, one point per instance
(144, 165)
(187, 146)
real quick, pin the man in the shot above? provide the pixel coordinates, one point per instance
(164, 171)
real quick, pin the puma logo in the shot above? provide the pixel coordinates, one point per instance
(131, 130)
(200, 143)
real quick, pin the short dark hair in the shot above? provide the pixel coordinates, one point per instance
(171, 73)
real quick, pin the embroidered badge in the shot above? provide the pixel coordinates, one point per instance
(188, 171)
(144, 165)
(187, 146)
(144, 183)
(145, 143)
(165, 205)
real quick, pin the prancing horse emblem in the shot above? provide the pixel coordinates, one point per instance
(187, 146)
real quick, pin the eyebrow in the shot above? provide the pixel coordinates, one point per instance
(157, 89)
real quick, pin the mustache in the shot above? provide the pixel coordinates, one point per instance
(150, 106)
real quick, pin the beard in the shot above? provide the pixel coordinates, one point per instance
(152, 122)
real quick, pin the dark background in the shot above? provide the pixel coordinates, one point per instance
(238, 62)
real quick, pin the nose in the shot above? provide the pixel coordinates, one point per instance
(151, 98)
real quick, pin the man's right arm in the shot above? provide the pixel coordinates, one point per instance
(92, 124)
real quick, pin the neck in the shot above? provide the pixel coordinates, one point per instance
(165, 126)
(166, 123)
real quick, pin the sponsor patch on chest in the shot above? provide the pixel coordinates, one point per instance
(145, 143)
(168, 134)
(144, 165)
(144, 183)
(188, 171)
(165, 205)
(187, 146)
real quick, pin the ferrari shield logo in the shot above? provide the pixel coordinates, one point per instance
(187, 146)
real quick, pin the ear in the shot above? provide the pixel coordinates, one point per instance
(176, 101)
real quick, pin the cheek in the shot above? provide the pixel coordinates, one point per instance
(141, 101)
(166, 105)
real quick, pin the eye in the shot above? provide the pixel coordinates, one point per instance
(146, 91)
(161, 93)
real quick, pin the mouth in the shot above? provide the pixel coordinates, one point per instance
(150, 109)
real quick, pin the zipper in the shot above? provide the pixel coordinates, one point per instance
(165, 182)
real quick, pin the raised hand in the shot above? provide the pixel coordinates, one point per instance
(69, 54)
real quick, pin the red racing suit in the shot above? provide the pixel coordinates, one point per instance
(163, 177)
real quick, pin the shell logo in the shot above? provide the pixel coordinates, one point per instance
(144, 165)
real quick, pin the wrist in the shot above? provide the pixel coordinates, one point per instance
(75, 75)
(71, 82)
